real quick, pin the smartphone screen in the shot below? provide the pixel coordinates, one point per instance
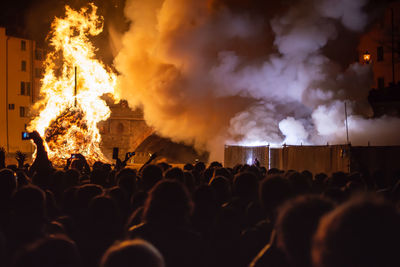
(25, 135)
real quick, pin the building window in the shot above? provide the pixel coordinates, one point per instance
(23, 45)
(380, 53)
(381, 82)
(38, 54)
(22, 112)
(11, 106)
(22, 88)
(23, 65)
(25, 88)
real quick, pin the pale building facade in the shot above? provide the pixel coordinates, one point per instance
(20, 73)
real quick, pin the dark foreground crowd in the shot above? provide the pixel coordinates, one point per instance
(114, 216)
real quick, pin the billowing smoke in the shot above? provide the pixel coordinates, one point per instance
(201, 74)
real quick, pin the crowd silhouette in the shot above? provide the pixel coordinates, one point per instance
(162, 216)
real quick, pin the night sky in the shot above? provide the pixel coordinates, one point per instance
(32, 19)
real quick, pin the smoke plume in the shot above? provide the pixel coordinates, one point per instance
(204, 74)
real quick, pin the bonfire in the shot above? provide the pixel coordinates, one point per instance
(74, 82)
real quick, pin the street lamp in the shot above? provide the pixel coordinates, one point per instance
(367, 57)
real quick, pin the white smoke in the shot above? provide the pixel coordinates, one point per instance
(294, 131)
(188, 65)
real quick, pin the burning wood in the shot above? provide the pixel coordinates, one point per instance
(67, 119)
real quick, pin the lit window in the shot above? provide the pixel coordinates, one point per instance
(22, 88)
(23, 65)
(23, 45)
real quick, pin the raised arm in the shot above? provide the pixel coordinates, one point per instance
(42, 162)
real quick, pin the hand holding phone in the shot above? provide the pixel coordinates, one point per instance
(26, 136)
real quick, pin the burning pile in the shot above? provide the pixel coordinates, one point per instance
(67, 117)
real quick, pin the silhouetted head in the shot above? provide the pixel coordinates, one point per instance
(188, 167)
(361, 232)
(151, 174)
(222, 172)
(245, 185)
(52, 251)
(301, 184)
(320, 178)
(338, 179)
(307, 174)
(168, 203)
(98, 165)
(99, 176)
(119, 197)
(126, 180)
(29, 201)
(132, 253)
(274, 171)
(175, 174)
(274, 190)
(86, 193)
(222, 189)
(164, 166)
(28, 214)
(215, 164)
(255, 170)
(8, 183)
(77, 164)
(199, 167)
(296, 224)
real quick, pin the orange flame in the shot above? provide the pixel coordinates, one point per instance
(68, 122)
